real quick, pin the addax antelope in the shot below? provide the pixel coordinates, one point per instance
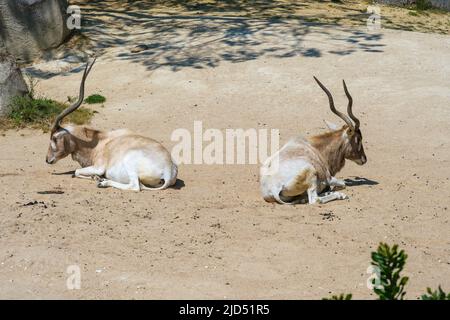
(303, 168)
(118, 158)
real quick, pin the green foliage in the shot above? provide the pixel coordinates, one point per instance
(40, 113)
(423, 5)
(390, 263)
(342, 296)
(95, 98)
(436, 295)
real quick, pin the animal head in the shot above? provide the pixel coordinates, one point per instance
(61, 145)
(351, 132)
(61, 142)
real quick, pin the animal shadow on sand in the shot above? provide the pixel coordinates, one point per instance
(359, 181)
(177, 186)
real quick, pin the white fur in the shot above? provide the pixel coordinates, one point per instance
(286, 184)
(124, 160)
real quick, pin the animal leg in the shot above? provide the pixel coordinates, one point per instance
(89, 172)
(312, 191)
(133, 185)
(331, 196)
(313, 197)
(337, 183)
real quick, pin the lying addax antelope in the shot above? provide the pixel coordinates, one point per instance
(127, 160)
(303, 168)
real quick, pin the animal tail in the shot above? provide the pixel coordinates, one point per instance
(278, 199)
(169, 177)
(274, 196)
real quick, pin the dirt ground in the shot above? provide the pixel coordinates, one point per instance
(213, 236)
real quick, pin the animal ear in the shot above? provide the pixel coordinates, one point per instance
(332, 126)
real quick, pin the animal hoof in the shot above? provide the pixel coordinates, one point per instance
(102, 183)
(343, 196)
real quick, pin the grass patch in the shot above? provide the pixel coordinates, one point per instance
(39, 113)
(423, 5)
(94, 99)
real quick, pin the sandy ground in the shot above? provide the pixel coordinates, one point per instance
(214, 236)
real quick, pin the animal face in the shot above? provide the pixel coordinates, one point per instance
(59, 148)
(355, 149)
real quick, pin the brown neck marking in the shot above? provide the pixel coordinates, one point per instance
(331, 146)
(85, 142)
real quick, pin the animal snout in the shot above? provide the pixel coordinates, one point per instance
(50, 161)
(363, 159)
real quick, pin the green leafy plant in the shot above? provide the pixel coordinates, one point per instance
(438, 294)
(389, 262)
(95, 98)
(342, 296)
(390, 285)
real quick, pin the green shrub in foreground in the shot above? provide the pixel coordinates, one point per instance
(342, 296)
(390, 284)
(438, 294)
(390, 263)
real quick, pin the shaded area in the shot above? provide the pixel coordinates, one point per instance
(177, 35)
(202, 34)
(51, 192)
(179, 184)
(71, 173)
(358, 181)
(43, 72)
